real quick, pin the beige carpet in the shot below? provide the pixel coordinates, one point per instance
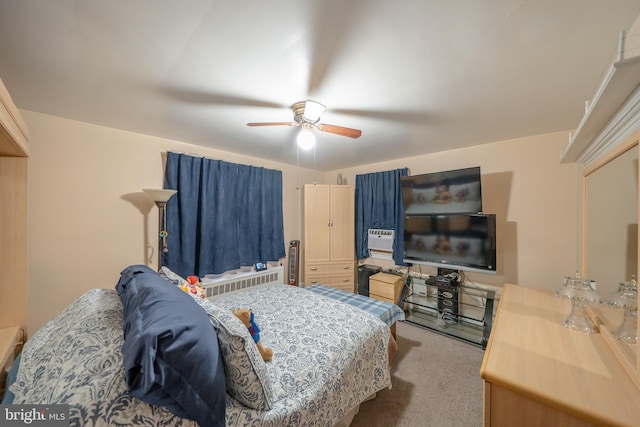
(436, 382)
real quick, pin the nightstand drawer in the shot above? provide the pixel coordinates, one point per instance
(385, 286)
(382, 289)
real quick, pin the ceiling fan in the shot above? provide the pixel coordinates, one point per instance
(306, 114)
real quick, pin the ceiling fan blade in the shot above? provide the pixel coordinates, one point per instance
(273, 124)
(339, 130)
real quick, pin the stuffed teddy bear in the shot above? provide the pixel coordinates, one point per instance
(442, 245)
(442, 194)
(246, 316)
(462, 248)
(461, 195)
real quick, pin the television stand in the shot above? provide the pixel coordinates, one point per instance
(463, 312)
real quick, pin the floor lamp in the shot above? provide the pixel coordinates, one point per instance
(161, 197)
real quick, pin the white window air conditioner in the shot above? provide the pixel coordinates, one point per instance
(380, 243)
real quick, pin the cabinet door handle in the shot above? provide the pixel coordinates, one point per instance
(346, 280)
(314, 281)
(346, 268)
(313, 268)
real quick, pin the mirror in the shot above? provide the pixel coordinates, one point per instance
(610, 237)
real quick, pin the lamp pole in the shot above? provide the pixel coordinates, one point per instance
(160, 198)
(162, 231)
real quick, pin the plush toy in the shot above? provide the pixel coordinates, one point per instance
(461, 195)
(193, 286)
(246, 316)
(442, 245)
(462, 248)
(442, 194)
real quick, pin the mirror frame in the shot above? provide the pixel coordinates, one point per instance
(631, 364)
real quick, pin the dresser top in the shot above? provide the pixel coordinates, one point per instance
(386, 277)
(531, 353)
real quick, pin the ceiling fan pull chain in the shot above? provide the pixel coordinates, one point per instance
(314, 164)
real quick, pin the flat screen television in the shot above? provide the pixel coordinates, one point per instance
(454, 191)
(457, 242)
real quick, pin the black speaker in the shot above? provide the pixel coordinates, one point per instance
(448, 303)
(294, 262)
(364, 272)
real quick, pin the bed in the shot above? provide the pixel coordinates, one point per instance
(328, 357)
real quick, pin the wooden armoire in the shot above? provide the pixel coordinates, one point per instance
(328, 244)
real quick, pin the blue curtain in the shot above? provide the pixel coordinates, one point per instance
(224, 216)
(379, 205)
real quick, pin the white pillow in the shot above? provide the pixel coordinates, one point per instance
(170, 276)
(246, 373)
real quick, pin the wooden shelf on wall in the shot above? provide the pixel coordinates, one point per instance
(14, 135)
(619, 84)
(14, 281)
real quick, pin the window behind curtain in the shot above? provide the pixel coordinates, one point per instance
(379, 205)
(224, 216)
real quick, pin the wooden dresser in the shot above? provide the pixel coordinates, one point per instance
(538, 373)
(385, 287)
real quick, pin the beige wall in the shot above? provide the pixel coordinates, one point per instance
(533, 196)
(88, 218)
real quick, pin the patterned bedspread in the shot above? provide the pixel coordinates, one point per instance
(328, 357)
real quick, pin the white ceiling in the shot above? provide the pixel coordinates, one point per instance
(416, 76)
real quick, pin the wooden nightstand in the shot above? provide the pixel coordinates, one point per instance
(8, 341)
(385, 287)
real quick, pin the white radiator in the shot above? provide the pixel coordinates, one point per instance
(231, 282)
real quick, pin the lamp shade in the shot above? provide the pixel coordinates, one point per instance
(313, 110)
(159, 195)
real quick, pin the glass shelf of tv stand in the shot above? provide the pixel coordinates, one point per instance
(475, 313)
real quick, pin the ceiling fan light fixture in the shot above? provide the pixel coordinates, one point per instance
(306, 139)
(313, 110)
(306, 114)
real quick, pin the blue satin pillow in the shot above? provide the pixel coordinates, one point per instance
(171, 353)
